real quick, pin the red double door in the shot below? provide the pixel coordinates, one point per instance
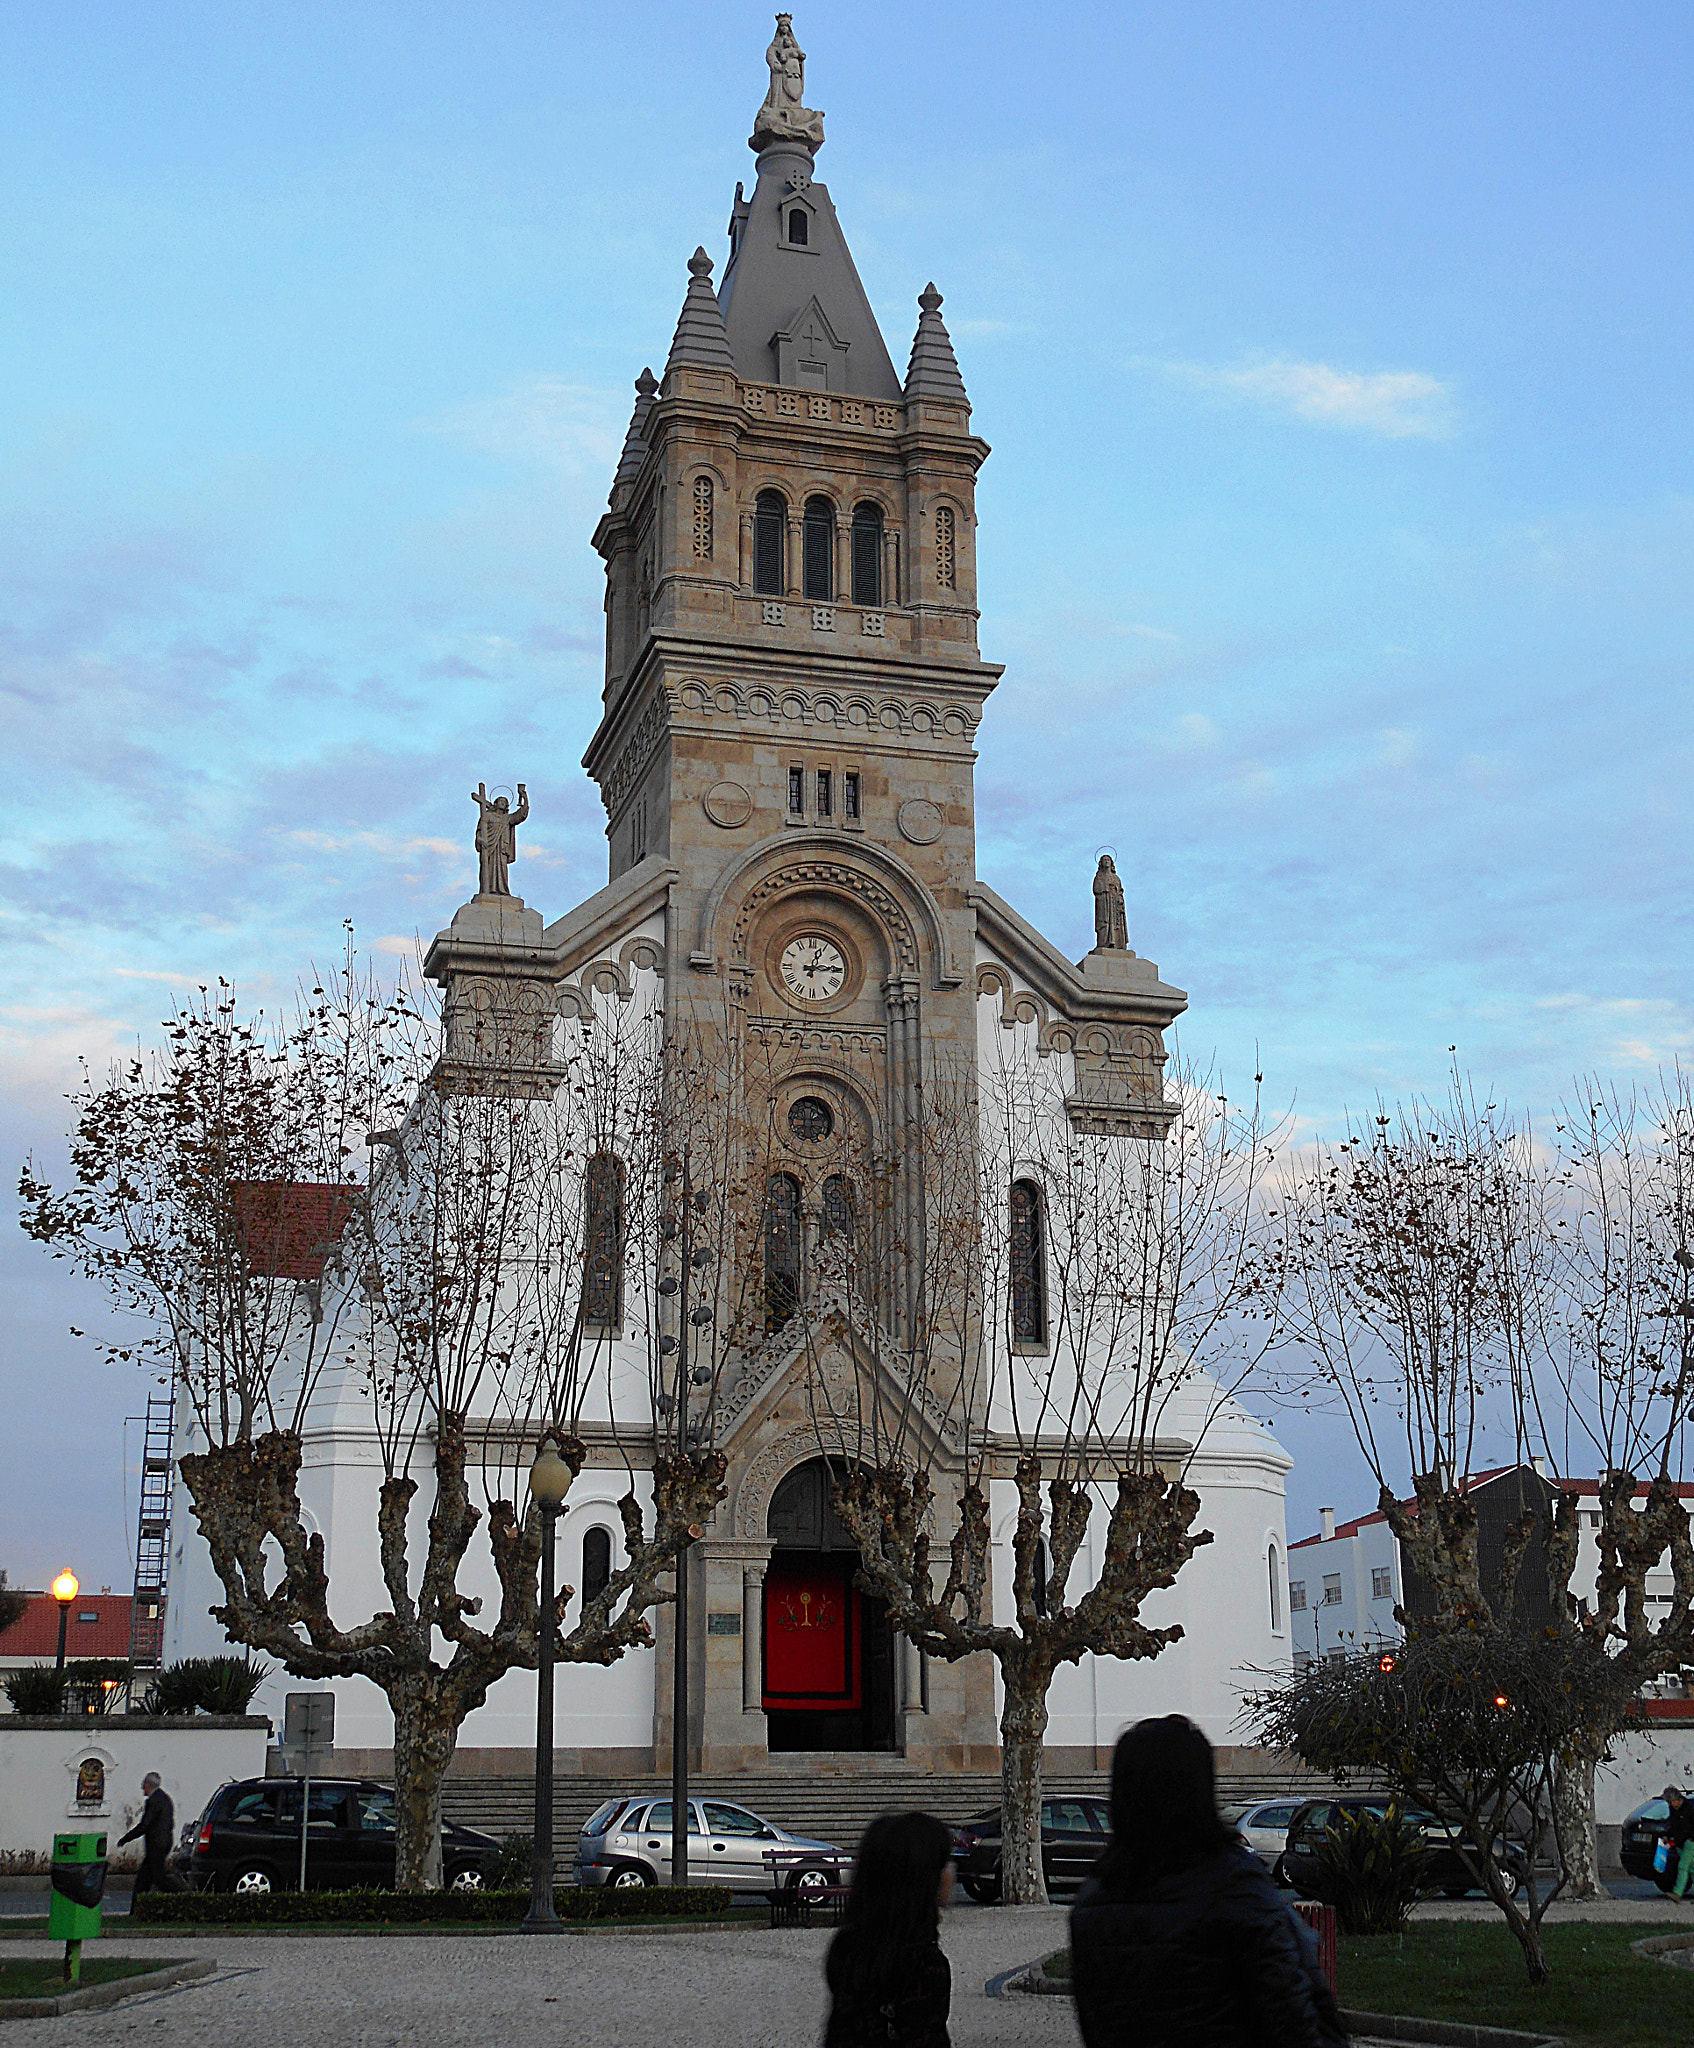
(814, 1635)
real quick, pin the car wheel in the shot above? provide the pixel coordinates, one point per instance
(629, 1877)
(252, 1882)
(470, 1877)
(809, 1882)
(1511, 1879)
(985, 1890)
(1279, 1875)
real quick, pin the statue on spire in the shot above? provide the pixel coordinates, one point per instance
(496, 838)
(1111, 920)
(784, 117)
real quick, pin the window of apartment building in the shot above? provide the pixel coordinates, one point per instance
(1381, 1583)
(1332, 1589)
(1296, 1596)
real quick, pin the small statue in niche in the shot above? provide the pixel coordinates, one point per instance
(1111, 920)
(783, 117)
(496, 838)
(91, 1782)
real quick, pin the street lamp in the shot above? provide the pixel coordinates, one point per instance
(549, 1481)
(64, 1591)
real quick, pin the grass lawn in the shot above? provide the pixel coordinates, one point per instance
(44, 1976)
(1600, 1996)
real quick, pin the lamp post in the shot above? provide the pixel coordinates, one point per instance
(549, 1482)
(65, 1588)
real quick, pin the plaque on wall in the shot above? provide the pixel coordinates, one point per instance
(727, 804)
(920, 821)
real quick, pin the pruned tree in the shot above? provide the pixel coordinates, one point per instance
(327, 1214)
(1083, 1301)
(1473, 1722)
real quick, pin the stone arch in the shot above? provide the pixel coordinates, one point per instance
(878, 880)
(765, 1471)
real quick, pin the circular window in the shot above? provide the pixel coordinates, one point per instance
(811, 1119)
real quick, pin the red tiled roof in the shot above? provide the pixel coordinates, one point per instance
(1583, 1488)
(36, 1633)
(289, 1226)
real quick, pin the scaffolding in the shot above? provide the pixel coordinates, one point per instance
(153, 1535)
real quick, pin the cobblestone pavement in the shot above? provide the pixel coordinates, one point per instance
(618, 1988)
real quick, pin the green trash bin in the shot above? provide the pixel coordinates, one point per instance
(79, 1884)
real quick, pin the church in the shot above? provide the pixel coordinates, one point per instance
(793, 694)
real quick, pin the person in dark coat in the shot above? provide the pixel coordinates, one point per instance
(1680, 1828)
(889, 1983)
(1179, 1936)
(157, 1831)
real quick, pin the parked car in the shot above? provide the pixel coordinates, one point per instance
(628, 1842)
(1074, 1834)
(1446, 1870)
(1643, 1831)
(1263, 1826)
(248, 1839)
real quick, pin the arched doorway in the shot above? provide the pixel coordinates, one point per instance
(829, 1648)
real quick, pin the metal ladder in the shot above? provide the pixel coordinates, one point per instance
(153, 1535)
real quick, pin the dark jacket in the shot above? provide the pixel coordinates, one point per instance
(913, 2016)
(157, 1825)
(1680, 1825)
(1207, 1957)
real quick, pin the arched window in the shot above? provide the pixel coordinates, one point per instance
(596, 1563)
(838, 1207)
(1028, 1275)
(946, 549)
(1275, 1591)
(603, 1198)
(799, 228)
(867, 555)
(782, 1249)
(770, 529)
(818, 529)
(703, 518)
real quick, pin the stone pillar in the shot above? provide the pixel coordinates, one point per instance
(794, 564)
(843, 562)
(891, 565)
(753, 1639)
(744, 574)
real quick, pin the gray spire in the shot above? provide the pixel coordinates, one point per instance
(700, 336)
(933, 371)
(635, 441)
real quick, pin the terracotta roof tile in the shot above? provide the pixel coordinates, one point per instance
(35, 1635)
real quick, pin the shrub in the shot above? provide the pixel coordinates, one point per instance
(1370, 1869)
(336, 1909)
(510, 1869)
(206, 1685)
(35, 1689)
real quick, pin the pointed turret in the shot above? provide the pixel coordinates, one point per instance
(635, 441)
(933, 372)
(700, 338)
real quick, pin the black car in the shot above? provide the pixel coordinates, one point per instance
(1446, 1870)
(1643, 1831)
(1074, 1834)
(248, 1840)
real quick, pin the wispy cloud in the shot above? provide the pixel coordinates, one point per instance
(1399, 404)
(576, 427)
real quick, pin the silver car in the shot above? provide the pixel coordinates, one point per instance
(1264, 1826)
(628, 1842)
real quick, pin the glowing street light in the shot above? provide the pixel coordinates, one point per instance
(65, 1589)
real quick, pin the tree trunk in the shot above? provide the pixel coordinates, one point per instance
(1023, 1730)
(426, 1731)
(1575, 1832)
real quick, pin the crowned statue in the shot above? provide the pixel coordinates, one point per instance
(784, 117)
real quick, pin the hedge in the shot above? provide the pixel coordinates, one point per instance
(410, 1909)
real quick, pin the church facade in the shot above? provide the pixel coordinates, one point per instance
(793, 694)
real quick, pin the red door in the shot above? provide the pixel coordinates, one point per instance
(813, 1633)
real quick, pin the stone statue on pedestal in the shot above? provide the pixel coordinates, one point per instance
(1111, 920)
(784, 117)
(496, 838)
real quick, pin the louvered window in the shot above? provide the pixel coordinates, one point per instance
(818, 528)
(770, 523)
(867, 555)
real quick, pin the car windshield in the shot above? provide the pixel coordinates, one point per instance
(1655, 1809)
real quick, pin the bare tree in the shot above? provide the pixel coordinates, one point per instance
(1082, 1301)
(218, 1194)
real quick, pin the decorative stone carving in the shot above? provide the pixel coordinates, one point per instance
(823, 618)
(496, 838)
(796, 706)
(727, 804)
(775, 615)
(784, 117)
(920, 821)
(498, 1036)
(625, 771)
(1111, 920)
(851, 881)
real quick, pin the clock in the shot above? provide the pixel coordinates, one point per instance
(813, 968)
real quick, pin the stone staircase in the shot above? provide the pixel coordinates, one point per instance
(832, 1806)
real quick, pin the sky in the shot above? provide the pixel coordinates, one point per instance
(1336, 536)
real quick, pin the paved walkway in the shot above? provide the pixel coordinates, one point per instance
(618, 1988)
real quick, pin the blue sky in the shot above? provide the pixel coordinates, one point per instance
(1337, 534)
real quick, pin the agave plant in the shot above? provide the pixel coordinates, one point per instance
(1370, 1868)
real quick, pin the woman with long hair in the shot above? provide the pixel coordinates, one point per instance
(1179, 1936)
(889, 1983)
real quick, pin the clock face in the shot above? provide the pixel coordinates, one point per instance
(813, 968)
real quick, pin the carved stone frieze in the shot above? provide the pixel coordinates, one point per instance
(637, 751)
(850, 881)
(498, 1033)
(840, 710)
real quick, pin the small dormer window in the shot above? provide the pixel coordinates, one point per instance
(799, 227)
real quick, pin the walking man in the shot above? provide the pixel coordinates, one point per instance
(157, 1830)
(1681, 1837)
